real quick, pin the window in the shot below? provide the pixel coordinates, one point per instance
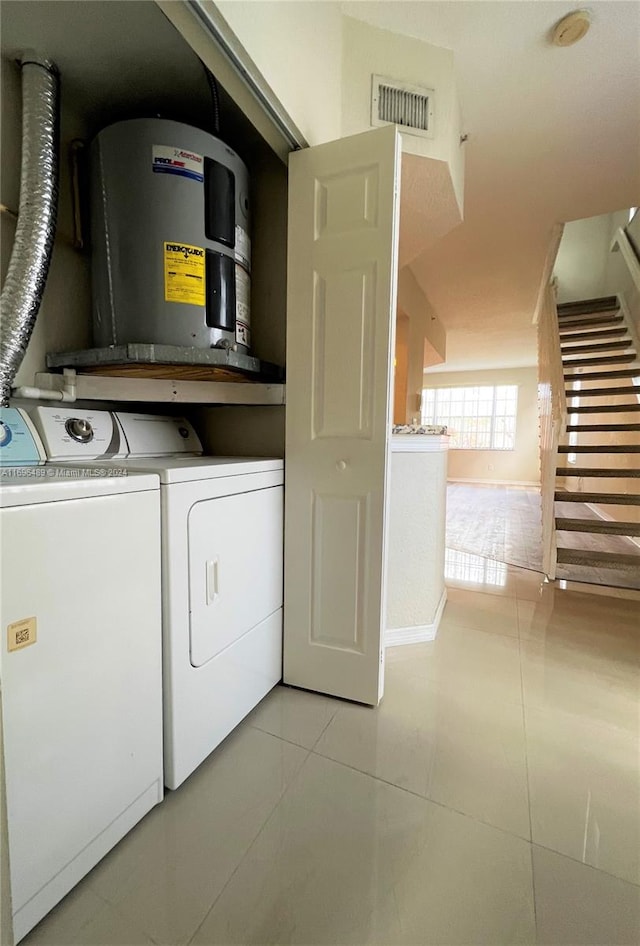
(480, 418)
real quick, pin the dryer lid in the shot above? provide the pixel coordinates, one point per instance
(193, 469)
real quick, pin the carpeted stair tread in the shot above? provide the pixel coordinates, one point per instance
(605, 360)
(596, 333)
(617, 374)
(601, 321)
(621, 560)
(603, 392)
(581, 306)
(594, 349)
(611, 499)
(598, 471)
(599, 448)
(605, 320)
(601, 526)
(604, 408)
(596, 428)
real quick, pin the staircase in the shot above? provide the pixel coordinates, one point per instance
(601, 446)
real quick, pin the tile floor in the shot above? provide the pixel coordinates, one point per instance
(494, 798)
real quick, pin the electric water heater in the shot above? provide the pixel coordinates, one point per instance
(171, 254)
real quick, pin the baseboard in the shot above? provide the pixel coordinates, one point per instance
(482, 482)
(601, 514)
(416, 634)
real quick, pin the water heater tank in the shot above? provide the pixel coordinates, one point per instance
(170, 237)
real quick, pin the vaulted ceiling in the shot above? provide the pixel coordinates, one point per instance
(554, 135)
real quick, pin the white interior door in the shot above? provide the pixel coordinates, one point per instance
(342, 275)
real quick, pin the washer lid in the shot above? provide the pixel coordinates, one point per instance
(189, 469)
(27, 486)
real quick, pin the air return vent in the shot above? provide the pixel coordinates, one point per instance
(396, 103)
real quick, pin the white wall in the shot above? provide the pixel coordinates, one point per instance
(417, 506)
(583, 266)
(520, 465)
(424, 326)
(620, 282)
(64, 319)
(297, 46)
(370, 51)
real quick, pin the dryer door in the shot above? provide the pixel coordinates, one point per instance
(235, 568)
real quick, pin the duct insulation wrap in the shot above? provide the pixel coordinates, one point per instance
(35, 230)
(171, 252)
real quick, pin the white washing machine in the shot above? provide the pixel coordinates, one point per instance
(222, 567)
(80, 667)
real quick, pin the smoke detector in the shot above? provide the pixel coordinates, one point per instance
(571, 28)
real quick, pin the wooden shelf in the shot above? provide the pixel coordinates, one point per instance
(94, 387)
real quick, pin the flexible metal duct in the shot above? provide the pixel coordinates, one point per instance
(35, 230)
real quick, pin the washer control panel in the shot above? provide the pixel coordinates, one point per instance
(71, 433)
(20, 444)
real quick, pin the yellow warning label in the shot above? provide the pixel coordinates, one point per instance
(184, 273)
(22, 633)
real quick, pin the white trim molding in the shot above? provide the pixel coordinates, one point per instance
(204, 28)
(529, 484)
(416, 634)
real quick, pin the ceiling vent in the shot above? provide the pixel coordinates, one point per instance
(396, 103)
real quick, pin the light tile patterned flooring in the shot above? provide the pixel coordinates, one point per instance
(493, 798)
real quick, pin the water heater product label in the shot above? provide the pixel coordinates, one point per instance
(243, 311)
(21, 634)
(184, 273)
(178, 161)
(243, 247)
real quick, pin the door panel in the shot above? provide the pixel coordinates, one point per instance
(343, 219)
(345, 349)
(337, 616)
(235, 568)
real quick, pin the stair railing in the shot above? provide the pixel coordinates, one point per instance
(552, 409)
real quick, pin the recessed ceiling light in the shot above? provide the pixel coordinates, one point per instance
(571, 28)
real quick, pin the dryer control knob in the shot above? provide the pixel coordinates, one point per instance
(80, 429)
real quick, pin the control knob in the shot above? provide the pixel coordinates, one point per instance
(79, 429)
